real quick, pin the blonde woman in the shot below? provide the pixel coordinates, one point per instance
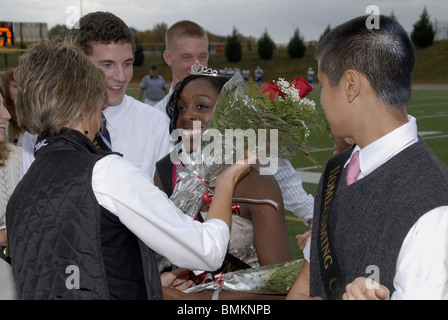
(75, 217)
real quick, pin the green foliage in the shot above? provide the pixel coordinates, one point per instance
(283, 278)
(296, 47)
(423, 33)
(234, 50)
(59, 31)
(266, 46)
(241, 106)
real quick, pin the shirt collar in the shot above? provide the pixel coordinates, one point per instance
(381, 150)
(113, 114)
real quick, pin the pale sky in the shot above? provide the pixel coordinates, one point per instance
(251, 17)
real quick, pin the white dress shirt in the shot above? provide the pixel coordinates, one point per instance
(140, 133)
(29, 140)
(422, 265)
(129, 193)
(295, 198)
(161, 105)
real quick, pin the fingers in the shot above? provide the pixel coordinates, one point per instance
(167, 278)
(183, 285)
(365, 289)
(302, 239)
(382, 293)
(251, 158)
(178, 278)
(353, 292)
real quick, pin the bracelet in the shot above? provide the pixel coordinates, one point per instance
(215, 295)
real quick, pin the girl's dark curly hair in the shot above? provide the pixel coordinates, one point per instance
(172, 110)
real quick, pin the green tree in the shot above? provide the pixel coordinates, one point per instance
(326, 31)
(266, 46)
(58, 31)
(296, 47)
(159, 31)
(423, 33)
(234, 50)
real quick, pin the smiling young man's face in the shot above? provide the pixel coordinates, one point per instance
(186, 51)
(116, 60)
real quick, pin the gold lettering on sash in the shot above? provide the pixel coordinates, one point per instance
(328, 260)
(335, 288)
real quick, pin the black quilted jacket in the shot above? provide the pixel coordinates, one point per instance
(63, 244)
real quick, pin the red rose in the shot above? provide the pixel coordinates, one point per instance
(299, 83)
(273, 89)
(302, 85)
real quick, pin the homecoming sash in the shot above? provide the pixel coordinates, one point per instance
(330, 272)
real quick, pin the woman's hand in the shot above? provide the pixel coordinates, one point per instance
(237, 171)
(178, 279)
(224, 188)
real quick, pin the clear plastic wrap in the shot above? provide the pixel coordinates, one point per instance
(272, 279)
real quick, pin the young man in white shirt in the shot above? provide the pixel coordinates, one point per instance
(391, 224)
(186, 42)
(139, 133)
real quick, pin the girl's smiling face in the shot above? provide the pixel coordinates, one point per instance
(196, 103)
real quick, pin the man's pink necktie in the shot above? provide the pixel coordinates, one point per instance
(353, 168)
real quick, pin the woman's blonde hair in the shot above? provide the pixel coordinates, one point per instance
(58, 86)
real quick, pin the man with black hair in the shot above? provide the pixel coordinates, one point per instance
(381, 210)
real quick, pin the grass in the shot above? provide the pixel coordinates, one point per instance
(432, 63)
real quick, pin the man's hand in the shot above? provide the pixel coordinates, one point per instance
(365, 289)
(302, 239)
